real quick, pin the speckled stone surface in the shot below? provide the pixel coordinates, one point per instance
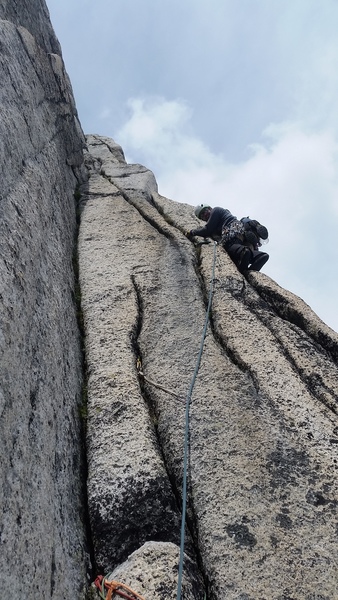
(42, 530)
(263, 417)
(151, 571)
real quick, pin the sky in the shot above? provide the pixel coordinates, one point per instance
(231, 103)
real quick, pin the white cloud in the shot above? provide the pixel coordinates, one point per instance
(156, 130)
(289, 182)
(238, 70)
(292, 168)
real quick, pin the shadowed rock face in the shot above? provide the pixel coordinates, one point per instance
(33, 15)
(41, 489)
(263, 425)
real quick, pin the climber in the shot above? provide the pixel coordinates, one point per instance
(241, 239)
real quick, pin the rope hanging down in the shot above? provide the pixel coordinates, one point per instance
(186, 434)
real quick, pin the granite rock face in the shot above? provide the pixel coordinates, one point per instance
(263, 431)
(42, 533)
(151, 572)
(33, 15)
(263, 427)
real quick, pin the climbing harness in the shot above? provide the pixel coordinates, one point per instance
(186, 434)
(115, 587)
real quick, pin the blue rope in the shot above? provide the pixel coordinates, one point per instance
(186, 435)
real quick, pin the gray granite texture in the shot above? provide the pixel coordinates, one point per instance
(263, 430)
(42, 531)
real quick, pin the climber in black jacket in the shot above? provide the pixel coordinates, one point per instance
(234, 236)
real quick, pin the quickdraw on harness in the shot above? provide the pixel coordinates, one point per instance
(115, 588)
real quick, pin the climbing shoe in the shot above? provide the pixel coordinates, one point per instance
(244, 260)
(259, 260)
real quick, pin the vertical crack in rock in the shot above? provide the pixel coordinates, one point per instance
(306, 369)
(130, 496)
(234, 356)
(151, 220)
(83, 407)
(138, 355)
(191, 543)
(166, 232)
(262, 482)
(294, 310)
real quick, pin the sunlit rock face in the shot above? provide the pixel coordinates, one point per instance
(42, 479)
(263, 431)
(262, 428)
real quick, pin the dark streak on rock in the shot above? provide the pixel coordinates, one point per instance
(241, 535)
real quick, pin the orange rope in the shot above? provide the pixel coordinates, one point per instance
(112, 587)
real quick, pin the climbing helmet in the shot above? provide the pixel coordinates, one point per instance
(200, 208)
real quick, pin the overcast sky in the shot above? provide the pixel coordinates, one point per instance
(228, 102)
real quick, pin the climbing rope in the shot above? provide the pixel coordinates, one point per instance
(115, 587)
(120, 589)
(186, 434)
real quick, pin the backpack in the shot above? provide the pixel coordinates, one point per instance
(254, 232)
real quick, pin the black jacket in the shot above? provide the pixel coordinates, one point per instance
(213, 228)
